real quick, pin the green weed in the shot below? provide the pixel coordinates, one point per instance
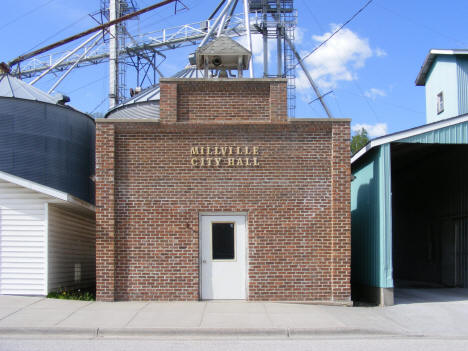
(78, 294)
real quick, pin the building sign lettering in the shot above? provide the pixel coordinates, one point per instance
(219, 156)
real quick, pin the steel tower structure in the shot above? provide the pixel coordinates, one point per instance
(275, 20)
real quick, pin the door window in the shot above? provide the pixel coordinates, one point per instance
(223, 241)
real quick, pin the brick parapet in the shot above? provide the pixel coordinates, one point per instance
(278, 102)
(168, 102)
(237, 100)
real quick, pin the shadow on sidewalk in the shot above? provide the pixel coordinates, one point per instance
(405, 296)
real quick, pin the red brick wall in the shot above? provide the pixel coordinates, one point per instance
(105, 212)
(297, 202)
(341, 215)
(168, 97)
(227, 100)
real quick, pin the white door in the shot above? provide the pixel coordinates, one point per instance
(223, 257)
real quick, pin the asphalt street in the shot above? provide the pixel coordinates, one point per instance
(322, 344)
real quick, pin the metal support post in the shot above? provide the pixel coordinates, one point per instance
(309, 78)
(265, 46)
(215, 24)
(249, 36)
(113, 55)
(279, 51)
(64, 58)
(88, 49)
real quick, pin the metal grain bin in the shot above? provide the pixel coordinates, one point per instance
(145, 104)
(45, 141)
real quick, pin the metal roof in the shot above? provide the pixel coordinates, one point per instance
(227, 50)
(190, 72)
(149, 94)
(148, 110)
(146, 103)
(453, 135)
(223, 45)
(433, 53)
(16, 88)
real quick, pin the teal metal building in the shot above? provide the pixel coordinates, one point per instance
(409, 203)
(444, 75)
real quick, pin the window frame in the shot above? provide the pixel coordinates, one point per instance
(440, 103)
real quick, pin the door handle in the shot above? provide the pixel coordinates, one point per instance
(203, 261)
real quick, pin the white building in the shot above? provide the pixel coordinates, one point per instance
(47, 219)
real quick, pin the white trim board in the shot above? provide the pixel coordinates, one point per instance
(46, 248)
(429, 61)
(43, 189)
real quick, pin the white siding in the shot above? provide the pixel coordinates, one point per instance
(72, 248)
(22, 240)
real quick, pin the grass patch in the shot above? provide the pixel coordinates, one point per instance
(78, 294)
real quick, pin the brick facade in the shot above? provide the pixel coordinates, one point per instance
(297, 200)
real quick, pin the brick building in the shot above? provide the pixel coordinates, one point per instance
(223, 197)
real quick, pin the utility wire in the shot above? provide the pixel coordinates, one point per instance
(98, 105)
(422, 25)
(305, 3)
(56, 33)
(358, 87)
(335, 98)
(26, 13)
(160, 19)
(86, 85)
(336, 31)
(406, 108)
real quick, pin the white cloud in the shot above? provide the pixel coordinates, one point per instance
(337, 60)
(298, 35)
(373, 93)
(373, 131)
(380, 52)
(257, 46)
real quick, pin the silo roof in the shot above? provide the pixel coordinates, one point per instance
(16, 88)
(190, 72)
(148, 96)
(141, 105)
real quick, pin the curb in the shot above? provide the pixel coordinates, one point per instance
(190, 332)
(309, 332)
(48, 331)
(193, 332)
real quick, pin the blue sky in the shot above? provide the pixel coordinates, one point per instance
(369, 67)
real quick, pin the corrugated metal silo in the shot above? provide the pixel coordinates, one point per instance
(145, 105)
(45, 141)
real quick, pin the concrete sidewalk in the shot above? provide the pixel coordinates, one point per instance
(37, 316)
